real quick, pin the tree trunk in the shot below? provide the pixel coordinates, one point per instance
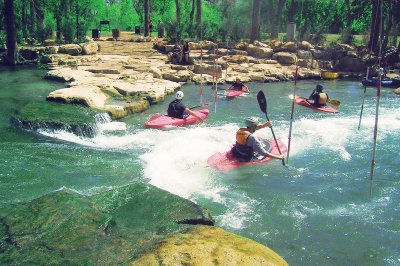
(191, 16)
(277, 23)
(146, 17)
(373, 43)
(77, 20)
(32, 17)
(178, 11)
(24, 21)
(39, 8)
(198, 19)
(271, 17)
(11, 58)
(255, 27)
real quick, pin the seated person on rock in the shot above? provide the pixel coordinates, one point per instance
(177, 109)
(248, 147)
(175, 57)
(186, 51)
(317, 97)
(238, 85)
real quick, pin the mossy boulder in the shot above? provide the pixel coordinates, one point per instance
(205, 245)
(111, 228)
(49, 115)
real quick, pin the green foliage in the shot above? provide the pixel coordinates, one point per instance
(174, 31)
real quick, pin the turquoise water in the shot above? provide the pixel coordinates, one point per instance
(314, 211)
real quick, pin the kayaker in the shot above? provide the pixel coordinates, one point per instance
(178, 110)
(238, 85)
(248, 146)
(317, 97)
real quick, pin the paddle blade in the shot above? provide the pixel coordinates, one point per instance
(334, 102)
(262, 102)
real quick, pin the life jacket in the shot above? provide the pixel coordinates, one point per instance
(241, 151)
(173, 111)
(323, 98)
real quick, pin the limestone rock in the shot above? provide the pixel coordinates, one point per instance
(304, 45)
(351, 64)
(241, 46)
(29, 54)
(397, 91)
(289, 47)
(71, 49)
(90, 96)
(52, 49)
(178, 76)
(285, 58)
(89, 48)
(66, 74)
(302, 54)
(259, 52)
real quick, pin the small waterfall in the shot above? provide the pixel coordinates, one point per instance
(102, 118)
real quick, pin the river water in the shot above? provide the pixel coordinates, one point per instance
(316, 210)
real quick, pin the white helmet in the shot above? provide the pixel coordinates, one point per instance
(179, 95)
(251, 121)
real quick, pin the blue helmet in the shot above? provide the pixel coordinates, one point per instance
(320, 87)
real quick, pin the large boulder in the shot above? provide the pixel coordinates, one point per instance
(397, 91)
(259, 52)
(285, 58)
(90, 96)
(304, 45)
(29, 54)
(205, 245)
(89, 48)
(211, 70)
(302, 54)
(178, 76)
(289, 47)
(71, 49)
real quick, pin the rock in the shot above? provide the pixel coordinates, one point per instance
(205, 245)
(238, 59)
(156, 72)
(308, 63)
(237, 52)
(304, 45)
(211, 70)
(53, 116)
(289, 47)
(257, 76)
(89, 48)
(51, 49)
(259, 52)
(285, 58)
(302, 54)
(194, 46)
(352, 54)
(71, 49)
(207, 45)
(90, 96)
(276, 45)
(137, 106)
(347, 47)
(351, 64)
(110, 228)
(29, 54)
(261, 44)
(397, 91)
(169, 48)
(241, 46)
(104, 70)
(178, 76)
(66, 74)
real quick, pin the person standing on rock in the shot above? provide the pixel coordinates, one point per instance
(177, 109)
(150, 27)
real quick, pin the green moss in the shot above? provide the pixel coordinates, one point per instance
(43, 111)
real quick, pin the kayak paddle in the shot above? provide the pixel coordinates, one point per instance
(262, 102)
(197, 106)
(334, 102)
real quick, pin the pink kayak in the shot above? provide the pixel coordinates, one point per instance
(225, 161)
(162, 121)
(230, 94)
(327, 109)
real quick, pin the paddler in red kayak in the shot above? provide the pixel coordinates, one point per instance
(238, 86)
(178, 110)
(248, 147)
(317, 97)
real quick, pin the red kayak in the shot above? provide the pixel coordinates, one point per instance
(162, 121)
(303, 102)
(225, 161)
(230, 94)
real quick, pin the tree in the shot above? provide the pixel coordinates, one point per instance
(375, 26)
(146, 17)
(198, 18)
(178, 11)
(11, 58)
(255, 27)
(277, 20)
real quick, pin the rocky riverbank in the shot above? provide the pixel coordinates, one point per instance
(127, 76)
